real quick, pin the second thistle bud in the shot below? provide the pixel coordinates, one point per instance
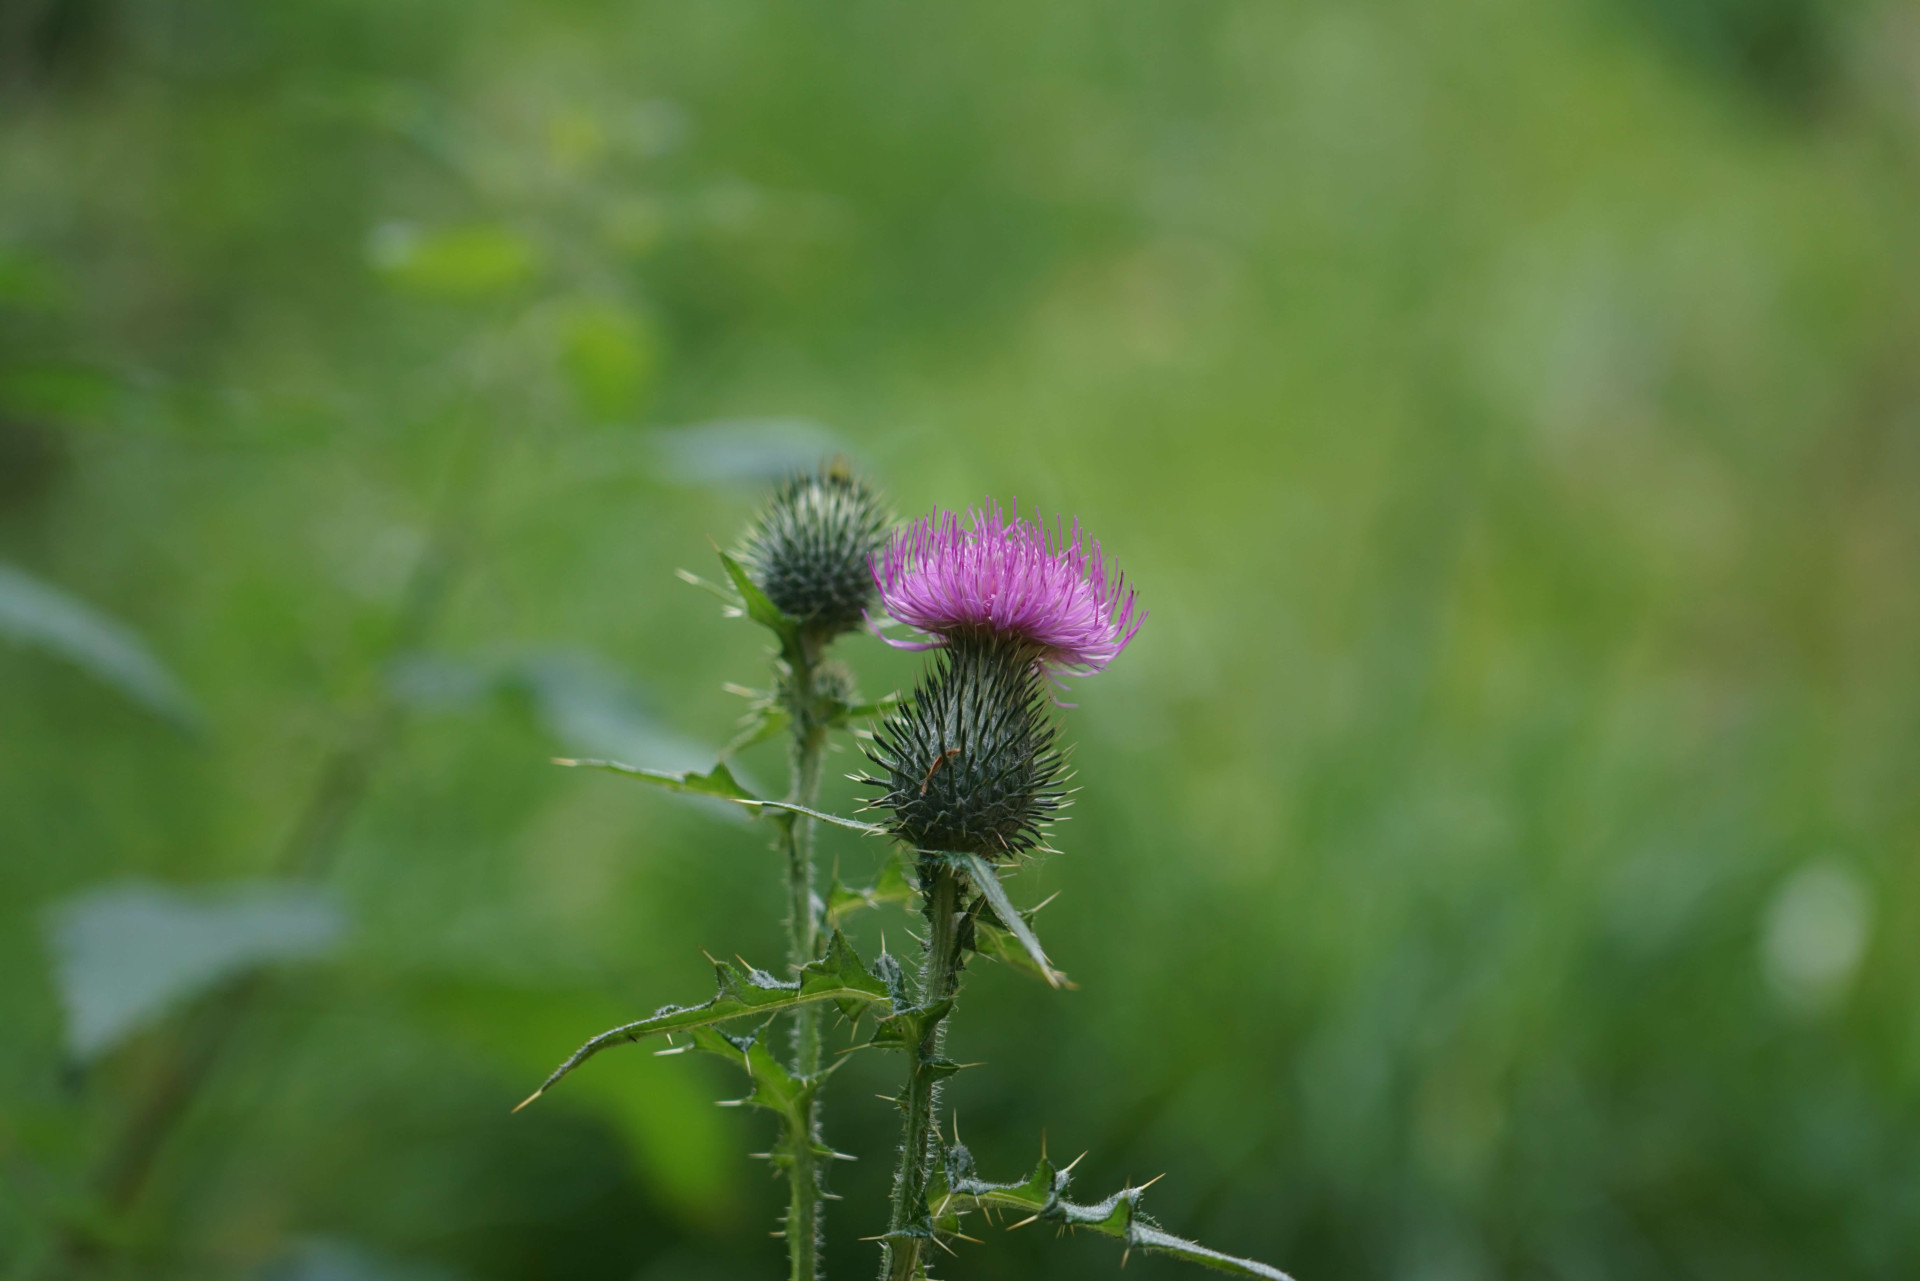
(809, 549)
(972, 763)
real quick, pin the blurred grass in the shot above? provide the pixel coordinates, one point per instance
(1507, 411)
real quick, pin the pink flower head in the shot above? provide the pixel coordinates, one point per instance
(1008, 579)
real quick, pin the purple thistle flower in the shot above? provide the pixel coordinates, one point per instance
(999, 578)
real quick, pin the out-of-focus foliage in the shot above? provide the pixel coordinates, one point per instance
(1496, 857)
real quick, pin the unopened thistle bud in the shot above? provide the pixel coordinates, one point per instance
(810, 548)
(972, 764)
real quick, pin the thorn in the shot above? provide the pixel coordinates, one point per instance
(710, 956)
(956, 1127)
(1023, 1223)
(964, 1237)
(891, 1098)
(530, 1098)
(1076, 1161)
(944, 1246)
(561, 760)
(1043, 902)
(1155, 1179)
(667, 1054)
(1125, 1255)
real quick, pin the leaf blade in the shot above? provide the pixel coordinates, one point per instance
(987, 882)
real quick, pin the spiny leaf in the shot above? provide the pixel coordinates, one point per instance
(774, 1088)
(891, 886)
(733, 603)
(991, 941)
(904, 1029)
(987, 882)
(718, 781)
(763, 611)
(1042, 1195)
(838, 976)
(768, 720)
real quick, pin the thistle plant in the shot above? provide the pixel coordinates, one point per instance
(968, 775)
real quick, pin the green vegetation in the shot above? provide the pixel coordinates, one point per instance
(1497, 853)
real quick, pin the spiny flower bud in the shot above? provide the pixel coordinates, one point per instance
(971, 763)
(810, 548)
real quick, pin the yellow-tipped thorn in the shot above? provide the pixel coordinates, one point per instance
(561, 760)
(1076, 1161)
(1023, 1223)
(1155, 1179)
(530, 1098)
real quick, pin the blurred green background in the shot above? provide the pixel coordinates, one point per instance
(1495, 859)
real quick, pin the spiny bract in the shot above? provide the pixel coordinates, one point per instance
(809, 549)
(971, 764)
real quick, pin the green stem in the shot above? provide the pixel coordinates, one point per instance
(803, 945)
(909, 1229)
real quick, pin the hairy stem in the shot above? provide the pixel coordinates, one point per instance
(803, 945)
(909, 1229)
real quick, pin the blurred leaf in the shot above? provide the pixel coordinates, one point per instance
(29, 282)
(589, 706)
(610, 356)
(743, 450)
(459, 264)
(325, 1259)
(37, 614)
(987, 882)
(126, 953)
(956, 1191)
(64, 393)
(838, 976)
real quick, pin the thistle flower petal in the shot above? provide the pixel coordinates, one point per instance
(1009, 579)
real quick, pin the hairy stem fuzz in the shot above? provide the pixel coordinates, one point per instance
(803, 1226)
(909, 1229)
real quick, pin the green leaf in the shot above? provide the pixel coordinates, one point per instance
(718, 781)
(838, 976)
(42, 616)
(1042, 1195)
(768, 720)
(891, 886)
(727, 598)
(987, 882)
(763, 611)
(991, 941)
